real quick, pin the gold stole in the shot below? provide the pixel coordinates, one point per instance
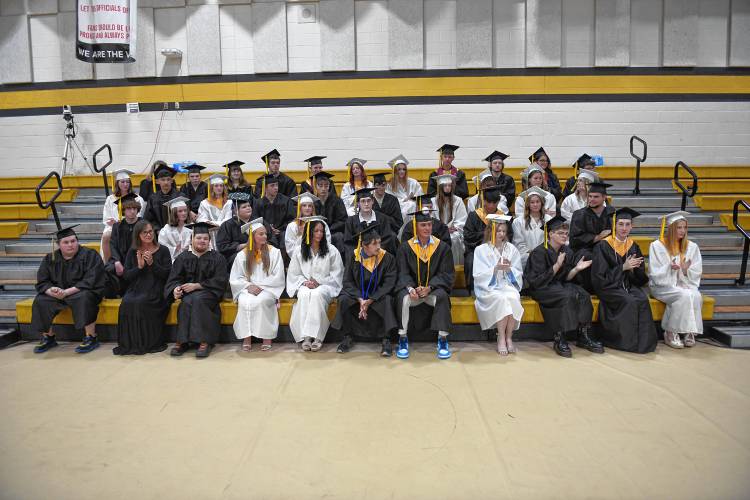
(620, 247)
(369, 263)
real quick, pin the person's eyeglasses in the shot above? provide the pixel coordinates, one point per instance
(148, 232)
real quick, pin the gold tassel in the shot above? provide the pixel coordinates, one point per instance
(494, 231)
(119, 209)
(298, 205)
(663, 225)
(250, 240)
(358, 250)
(153, 183)
(263, 186)
(307, 231)
(546, 236)
(614, 223)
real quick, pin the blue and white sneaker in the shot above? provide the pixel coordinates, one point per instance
(89, 344)
(443, 349)
(403, 347)
(45, 344)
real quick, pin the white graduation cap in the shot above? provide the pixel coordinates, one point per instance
(445, 179)
(358, 161)
(534, 190)
(178, 202)
(532, 168)
(399, 160)
(306, 198)
(122, 174)
(676, 216)
(313, 218)
(588, 175)
(484, 174)
(495, 218)
(252, 226)
(217, 179)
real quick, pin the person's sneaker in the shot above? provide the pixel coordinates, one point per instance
(387, 350)
(345, 345)
(403, 347)
(203, 351)
(89, 344)
(443, 349)
(46, 343)
(179, 349)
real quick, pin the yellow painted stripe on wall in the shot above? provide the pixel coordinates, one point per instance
(381, 87)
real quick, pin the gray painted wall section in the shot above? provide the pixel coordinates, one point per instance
(145, 60)
(680, 32)
(203, 39)
(474, 33)
(338, 51)
(15, 50)
(739, 45)
(543, 33)
(269, 37)
(406, 34)
(612, 45)
(72, 68)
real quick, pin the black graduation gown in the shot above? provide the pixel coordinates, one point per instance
(392, 209)
(507, 187)
(564, 304)
(119, 244)
(353, 226)
(143, 310)
(305, 187)
(156, 213)
(554, 184)
(381, 318)
(624, 311)
(278, 214)
(84, 271)
(199, 314)
(462, 188)
(439, 231)
(196, 196)
(287, 187)
(584, 226)
(334, 211)
(441, 277)
(145, 189)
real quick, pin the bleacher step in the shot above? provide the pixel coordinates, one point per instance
(76, 210)
(83, 227)
(736, 337)
(9, 336)
(660, 202)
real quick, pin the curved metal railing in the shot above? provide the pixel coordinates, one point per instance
(736, 221)
(103, 168)
(686, 192)
(638, 161)
(51, 202)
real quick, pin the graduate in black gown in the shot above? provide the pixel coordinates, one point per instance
(71, 276)
(584, 162)
(425, 276)
(194, 190)
(618, 274)
(365, 216)
(365, 305)
(439, 229)
(230, 239)
(119, 244)
(147, 185)
(550, 273)
(236, 182)
(198, 279)
(447, 155)
(272, 161)
(143, 310)
(156, 210)
(386, 203)
(474, 228)
(504, 182)
(276, 210)
(589, 226)
(331, 207)
(543, 161)
(314, 167)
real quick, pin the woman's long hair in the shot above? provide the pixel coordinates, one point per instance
(139, 227)
(445, 202)
(172, 220)
(323, 250)
(527, 211)
(351, 176)
(250, 258)
(493, 227)
(241, 183)
(117, 188)
(395, 182)
(673, 245)
(544, 185)
(213, 200)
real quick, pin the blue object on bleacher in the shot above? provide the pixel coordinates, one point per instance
(598, 160)
(182, 166)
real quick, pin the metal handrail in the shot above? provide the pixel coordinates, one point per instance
(685, 191)
(103, 169)
(51, 202)
(638, 161)
(736, 221)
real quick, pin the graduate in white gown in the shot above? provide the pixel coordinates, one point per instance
(402, 186)
(498, 278)
(675, 268)
(257, 281)
(294, 230)
(528, 226)
(111, 213)
(579, 198)
(174, 235)
(536, 179)
(357, 180)
(315, 276)
(452, 212)
(215, 209)
(484, 181)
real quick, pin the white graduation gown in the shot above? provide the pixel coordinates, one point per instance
(496, 295)
(550, 203)
(293, 238)
(176, 239)
(310, 312)
(679, 292)
(209, 213)
(347, 196)
(459, 221)
(570, 204)
(471, 203)
(257, 315)
(526, 240)
(110, 211)
(413, 188)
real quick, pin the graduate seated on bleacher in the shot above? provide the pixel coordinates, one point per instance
(156, 207)
(618, 274)
(386, 203)
(452, 212)
(356, 180)
(445, 167)
(306, 208)
(315, 276)
(229, 238)
(314, 167)
(675, 269)
(439, 230)
(528, 226)
(119, 244)
(272, 161)
(498, 278)
(331, 207)
(198, 279)
(194, 189)
(365, 306)
(425, 276)
(566, 307)
(485, 181)
(216, 208)
(539, 159)
(176, 234)
(71, 276)
(366, 216)
(276, 210)
(112, 212)
(584, 163)
(403, 187)
(536, 180)
(147, 186)
(474, 230)
(580, 198)
(257, 281)
(505, 182)
(236, 182)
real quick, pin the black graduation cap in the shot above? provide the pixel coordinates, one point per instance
(163, 170)
(423, 215)
(270, 179)
(65, 232)
(555, 222)
(234, 164)
(491, 194)
(422, 200)
(195, 169)
(322, 175)
(364, 193)
(536, 154)
(370, 228)
(201, 227)
(315, 160)
(447, 148)
(270, 155)
(495, 155)
(626, 213)
(130, 197)
(599, 187)
(378, 178)
(584, 158)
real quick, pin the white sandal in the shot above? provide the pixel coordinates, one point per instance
(689, 340)
(673, 340)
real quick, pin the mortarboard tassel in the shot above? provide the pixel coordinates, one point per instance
(358, 250)
(546, 236)
(263, 186)
(307, 233)
(494, 232)
(663, 226)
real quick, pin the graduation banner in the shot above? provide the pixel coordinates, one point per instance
(106, 30)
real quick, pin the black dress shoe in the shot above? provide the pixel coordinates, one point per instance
(587, 342)
(561, 346)
(179, 349)
(345, 345)
(203, 351)
(387, 350)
